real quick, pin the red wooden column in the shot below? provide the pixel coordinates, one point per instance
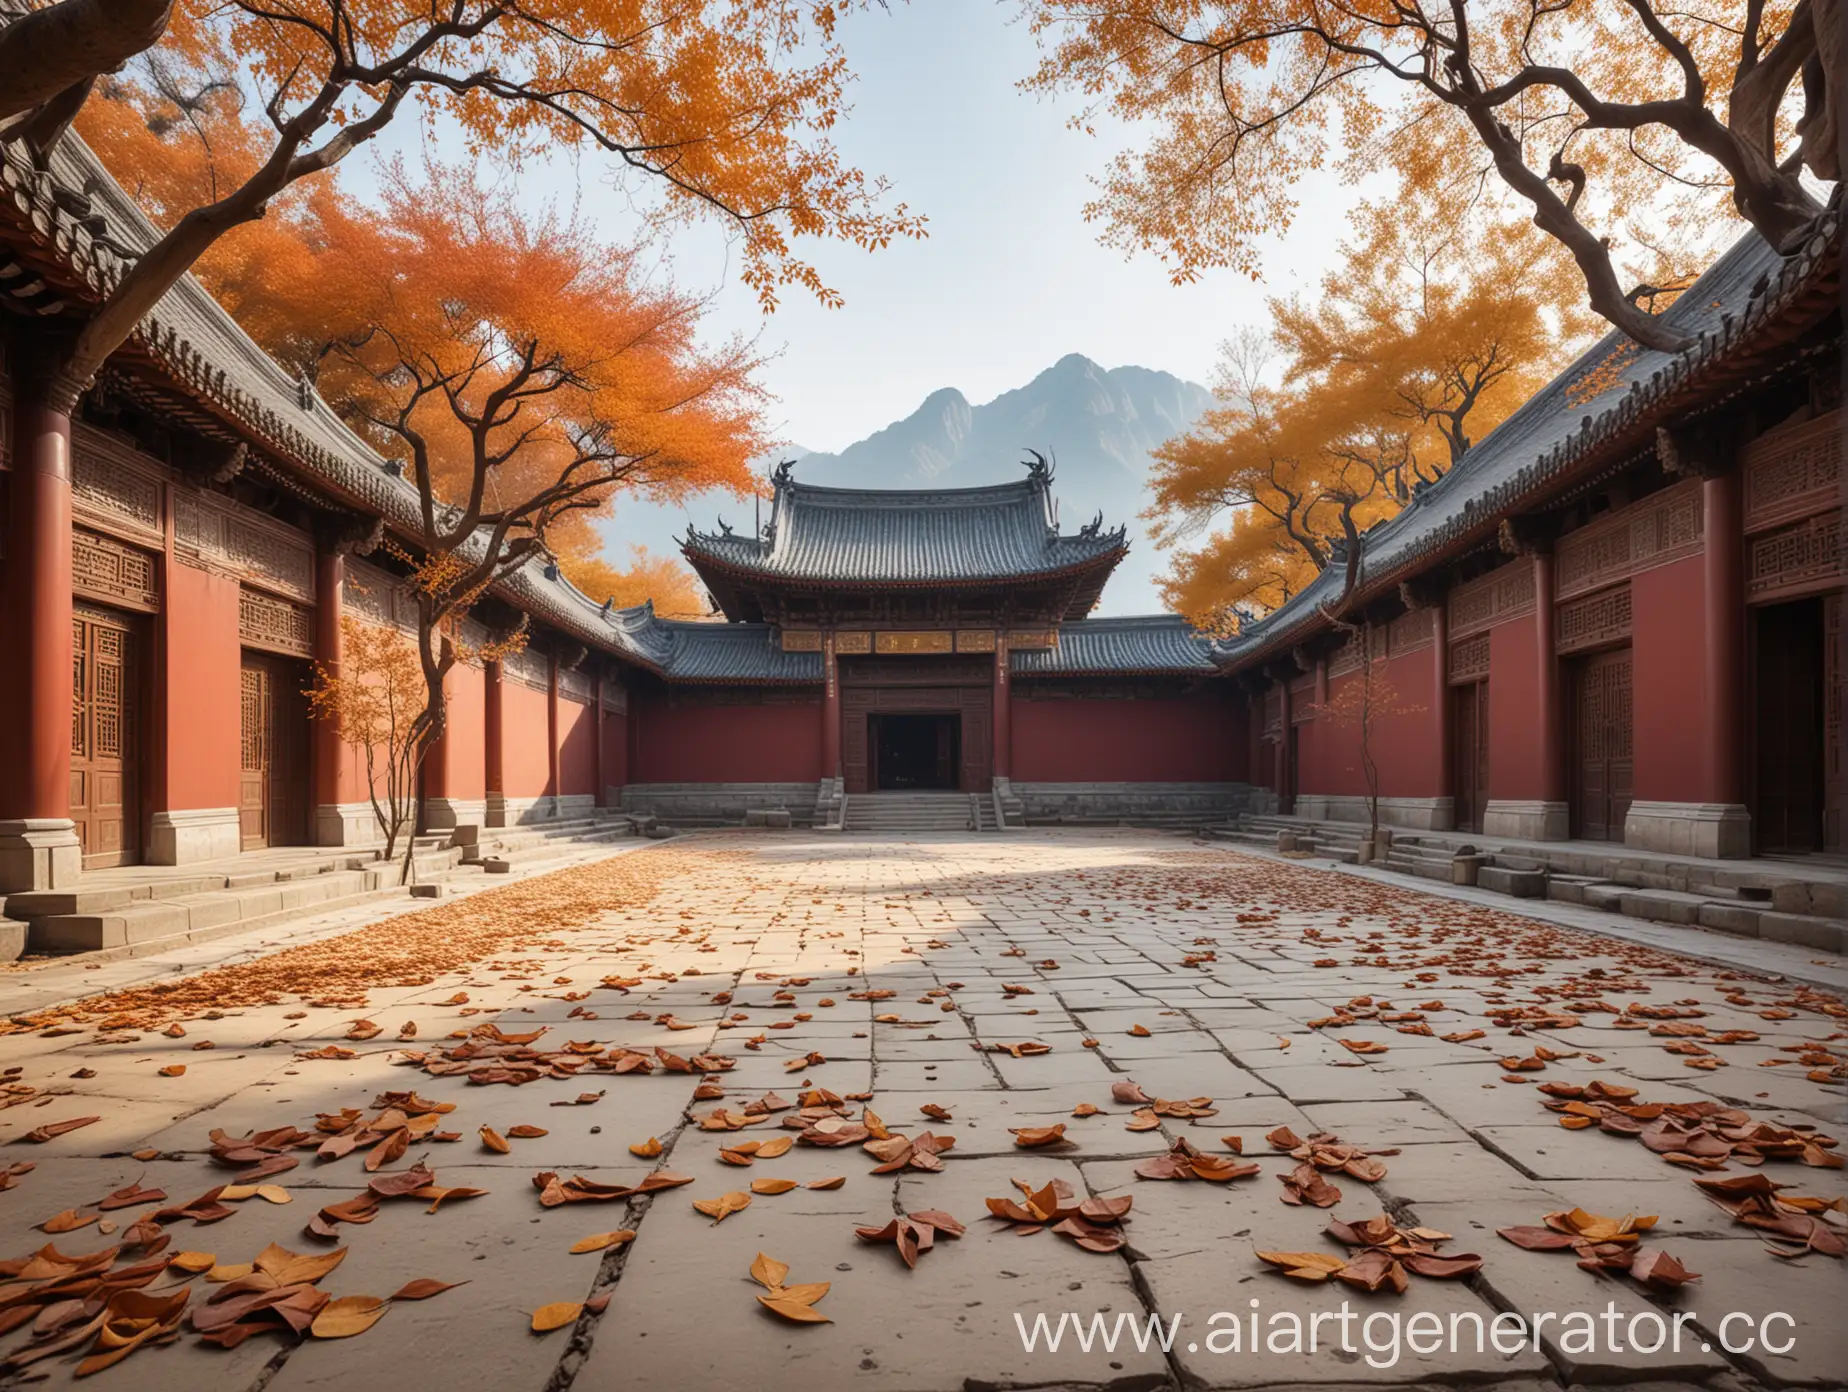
(600, 795)
(553, 786)
(1723, 596)
(1286, 795)
(494, 777)
(39, 848)
(1723, 584)
(1440, 707)
(329, 597)
(1004, 712)
(1551, 701)
(830, 710)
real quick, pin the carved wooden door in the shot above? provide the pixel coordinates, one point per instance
(106, 723)
(1601, 745)
(1469, 755)
(1791, 766)
(273, 788)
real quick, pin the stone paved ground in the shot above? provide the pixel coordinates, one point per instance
(878, 967)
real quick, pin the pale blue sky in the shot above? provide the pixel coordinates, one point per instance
(1011, 278)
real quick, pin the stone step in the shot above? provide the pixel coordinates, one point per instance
(142, 925)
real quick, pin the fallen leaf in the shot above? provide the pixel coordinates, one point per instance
(556, 1316)
(346, 1316)
(603, 1240)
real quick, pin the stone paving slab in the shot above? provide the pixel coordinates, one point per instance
(771, 950)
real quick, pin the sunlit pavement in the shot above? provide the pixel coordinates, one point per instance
(1003, 980)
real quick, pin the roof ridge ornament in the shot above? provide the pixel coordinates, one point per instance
(1039, 469)
(783, 474)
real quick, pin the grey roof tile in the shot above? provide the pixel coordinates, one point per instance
(908, 536)
(1152, 643)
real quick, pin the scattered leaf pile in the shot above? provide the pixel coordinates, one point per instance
(1698, 1135)
(1380, 1254)
(915, 1233)
(1793, 1224)
(1604, 1244)
(1094, 1224)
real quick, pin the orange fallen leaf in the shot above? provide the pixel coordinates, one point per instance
(603, 1240)
(646, 1150)
(347, 1315)
(493, 1141)
(556, 1315)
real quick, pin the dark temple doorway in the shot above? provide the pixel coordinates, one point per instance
(914, 752)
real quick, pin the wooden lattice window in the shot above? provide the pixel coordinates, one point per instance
(1795, 558)
(1597, 619)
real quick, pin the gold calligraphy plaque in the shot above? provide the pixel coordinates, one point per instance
(801, 640)
(975, 640)
(853, 641)
(913, 641)
(1033, 638)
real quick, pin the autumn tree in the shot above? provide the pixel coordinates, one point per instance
(1420, 342)
(1586, 117)
(721, 107)
(314, 271)
(373, 700)
(551, 372)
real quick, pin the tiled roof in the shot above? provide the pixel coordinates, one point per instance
(714, 652)
(1153, 643)
(1734, 313)
(908, 536)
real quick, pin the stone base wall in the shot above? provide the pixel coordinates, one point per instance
(200, 833)
(1527, 821)
(503, 811)
(1418, 814)
(1718, 830)
(1156, 803)
(345, 824)
(720, 804)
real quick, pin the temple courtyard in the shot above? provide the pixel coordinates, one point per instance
(639, 1109)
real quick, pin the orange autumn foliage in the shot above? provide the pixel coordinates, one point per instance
(323, 278)
(1422, 341)
(1622, 131)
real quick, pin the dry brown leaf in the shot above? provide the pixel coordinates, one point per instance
(556, 1315)
(724, 1206)
(603, 1240)
(346, 1316)
(492, 1139)
(646, 1150)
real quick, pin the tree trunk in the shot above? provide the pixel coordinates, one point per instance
(47, 51)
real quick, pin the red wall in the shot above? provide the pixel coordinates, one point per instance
(577, 747)
(464, 747)
(726, 744)
(1404, 741)
(1179, 740)
(200, 695)
(1514, 713)
(526, 761)
(615, 749)
(1668, 683)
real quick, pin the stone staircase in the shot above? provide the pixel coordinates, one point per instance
(885, 814)
(125, 913)
(1779, 901)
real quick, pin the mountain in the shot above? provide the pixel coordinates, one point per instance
(1098, 423)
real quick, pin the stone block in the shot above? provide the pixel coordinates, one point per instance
(1823, 934)
(1741, 919)
(1504, 879)
(39, 853)
(1713, 830)
(1662, 905)
(494, 865)
(12, 939)
(428, 891)
(1466, 869)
